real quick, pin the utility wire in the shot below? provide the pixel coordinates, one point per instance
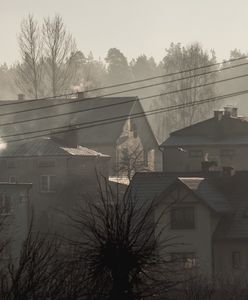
(79, 126)
(15, 102)
(111, 94)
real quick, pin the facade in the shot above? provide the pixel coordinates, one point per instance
(14, 218)
(107, 125)
(207, 216)
(60, 174)
(222, 139)
(125, 132)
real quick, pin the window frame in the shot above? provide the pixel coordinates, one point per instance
(236, 260)
(187, 259)
(48, 190)
(190, 226)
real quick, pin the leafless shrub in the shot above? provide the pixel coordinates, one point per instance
(120, 245)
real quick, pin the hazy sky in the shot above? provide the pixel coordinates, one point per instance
(134, 26)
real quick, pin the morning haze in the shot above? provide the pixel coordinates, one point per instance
(123, 150)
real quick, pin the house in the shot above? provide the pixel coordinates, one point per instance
(206, 215)
(14, 218)
(115, 126)
(125, 129)
(222, 140)
(61, 174)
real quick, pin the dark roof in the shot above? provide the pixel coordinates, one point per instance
(227, 131)
(114, 107)
(208, 193)
(235, 190)
(45, 147)
(147, 186)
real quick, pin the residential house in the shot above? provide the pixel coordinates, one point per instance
(222, 140)
(205, 214)
(62, 174)
(115, 126)
(14, 218)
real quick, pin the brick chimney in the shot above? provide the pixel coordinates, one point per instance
(230, 111)
(218, 115)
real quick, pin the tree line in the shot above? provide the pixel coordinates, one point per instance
(51, 65)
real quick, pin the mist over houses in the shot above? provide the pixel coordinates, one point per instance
(199, 171)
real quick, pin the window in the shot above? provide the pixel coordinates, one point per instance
(228, 153)
(5, 205)
(134, 129)
(186, 260)
(48, 183)
(183, 218)
(145, 157)
(47, 163)
(196, 154)
(236, 260)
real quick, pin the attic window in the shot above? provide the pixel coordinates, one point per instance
(133, 128)
(183, 218)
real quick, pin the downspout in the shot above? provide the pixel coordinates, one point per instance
(163, 160)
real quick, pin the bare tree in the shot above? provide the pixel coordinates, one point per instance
(179, 59)
(59, 51)
(29, 70)
(131, 161)
(120, 244)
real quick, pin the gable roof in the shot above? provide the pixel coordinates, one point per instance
(226, 195)
(208, 193)
(45, 147)
(227, 131)
(94, 110)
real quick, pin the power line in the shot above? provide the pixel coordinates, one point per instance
(15, 102)
(111, 94)
(119, 118)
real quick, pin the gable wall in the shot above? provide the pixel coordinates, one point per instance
(198, 240)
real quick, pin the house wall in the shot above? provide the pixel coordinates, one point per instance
(223, 262)
(197, 240)
(14, 225)
(136, 135)
(175, 160)
(74, 175)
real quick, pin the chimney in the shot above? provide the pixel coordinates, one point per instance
(234, 112)
(21, 97)
(218, 114)
(230, 111)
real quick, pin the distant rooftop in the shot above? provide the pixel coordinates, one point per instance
(46, 147)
